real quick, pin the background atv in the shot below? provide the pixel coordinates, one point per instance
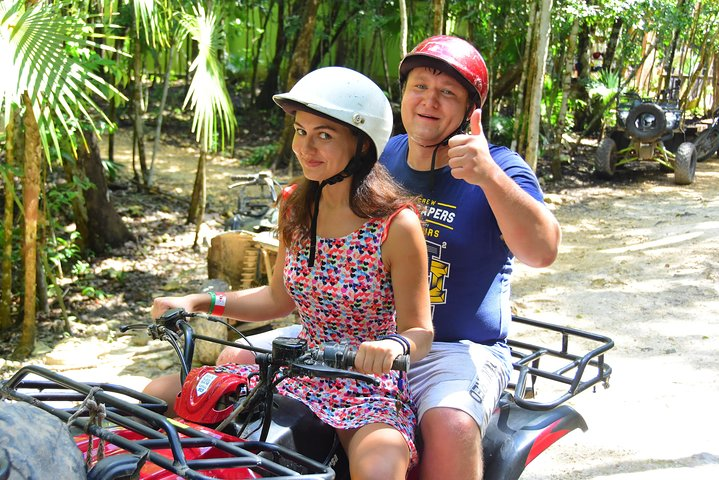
(647, 130)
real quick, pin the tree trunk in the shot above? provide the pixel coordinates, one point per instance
(9, 210)
(715, 86)
(161, 113)
(269, 87)
(137, 110)
(31, 199)
(258, 50)
(385, 65)
(403, 27)
(611, 49)
(299, 66)
(104, 226)
(197, 202)
(672, 51)
(201, 196)
(645, 69)
(582, 114)
(569, 55)
(520, 115)
(438, 17)
(538, 70)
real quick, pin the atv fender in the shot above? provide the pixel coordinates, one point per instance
(117, 467)
(515, 436)
(295, 426)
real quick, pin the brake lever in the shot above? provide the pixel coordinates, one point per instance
(309, 367)
(133, 326)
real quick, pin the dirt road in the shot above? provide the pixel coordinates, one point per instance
(640, 263)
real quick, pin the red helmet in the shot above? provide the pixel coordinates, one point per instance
(464, 62)
(208, 393)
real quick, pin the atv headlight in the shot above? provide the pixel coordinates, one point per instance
(672, 119)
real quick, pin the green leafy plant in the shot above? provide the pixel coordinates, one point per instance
(262, 155)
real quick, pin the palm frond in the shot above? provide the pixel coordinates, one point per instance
(207, 95)
(45, 52)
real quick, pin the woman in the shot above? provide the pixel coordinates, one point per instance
(352, 260)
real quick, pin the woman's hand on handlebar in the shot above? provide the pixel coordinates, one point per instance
(162, 304)
(376, 357)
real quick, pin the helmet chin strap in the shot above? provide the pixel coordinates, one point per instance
(460, 129)
(348, 171)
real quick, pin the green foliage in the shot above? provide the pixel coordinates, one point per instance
(45, 51)
(81, 268)
(501, 129)
(112, 169)
(63, 251)
(93, 293)
(605, 86)
(207, 96)
(262, 155)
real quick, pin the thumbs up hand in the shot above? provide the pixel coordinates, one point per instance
(469, 157)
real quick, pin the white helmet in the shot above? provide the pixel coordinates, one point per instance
(344, 95)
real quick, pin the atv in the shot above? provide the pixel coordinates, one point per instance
(230, 426)
(648, 130)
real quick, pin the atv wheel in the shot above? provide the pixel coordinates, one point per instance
(36, 444)
(646, 122)
(685, 164)
(707, 143)
(605, 160)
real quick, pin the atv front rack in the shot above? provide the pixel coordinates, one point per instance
(577, 362)
(136, 430)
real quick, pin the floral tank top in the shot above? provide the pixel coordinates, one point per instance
(347, 295)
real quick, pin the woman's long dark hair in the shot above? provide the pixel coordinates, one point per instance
(373, 194)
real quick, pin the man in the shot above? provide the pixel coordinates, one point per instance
(484, 206)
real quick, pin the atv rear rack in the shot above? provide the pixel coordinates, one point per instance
(579, 371)
(147, 432)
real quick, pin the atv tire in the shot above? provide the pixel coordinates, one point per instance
(639, 128)
(605, 160)
(685, 164)
(35, 444)
(707, 143)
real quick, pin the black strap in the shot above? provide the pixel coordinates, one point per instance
(348, 171)
(461, 129)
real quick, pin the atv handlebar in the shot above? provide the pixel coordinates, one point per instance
(331, 359)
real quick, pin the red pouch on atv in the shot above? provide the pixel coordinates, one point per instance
(209, 393)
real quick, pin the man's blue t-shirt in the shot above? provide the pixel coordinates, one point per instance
(470, 264)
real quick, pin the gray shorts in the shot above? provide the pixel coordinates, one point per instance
(465, 376)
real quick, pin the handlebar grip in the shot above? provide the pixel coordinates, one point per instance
(400, 363)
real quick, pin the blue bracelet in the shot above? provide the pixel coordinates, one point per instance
(399, 339)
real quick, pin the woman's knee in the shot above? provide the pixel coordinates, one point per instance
(377, 452)
(235, 355)
(165, 388)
